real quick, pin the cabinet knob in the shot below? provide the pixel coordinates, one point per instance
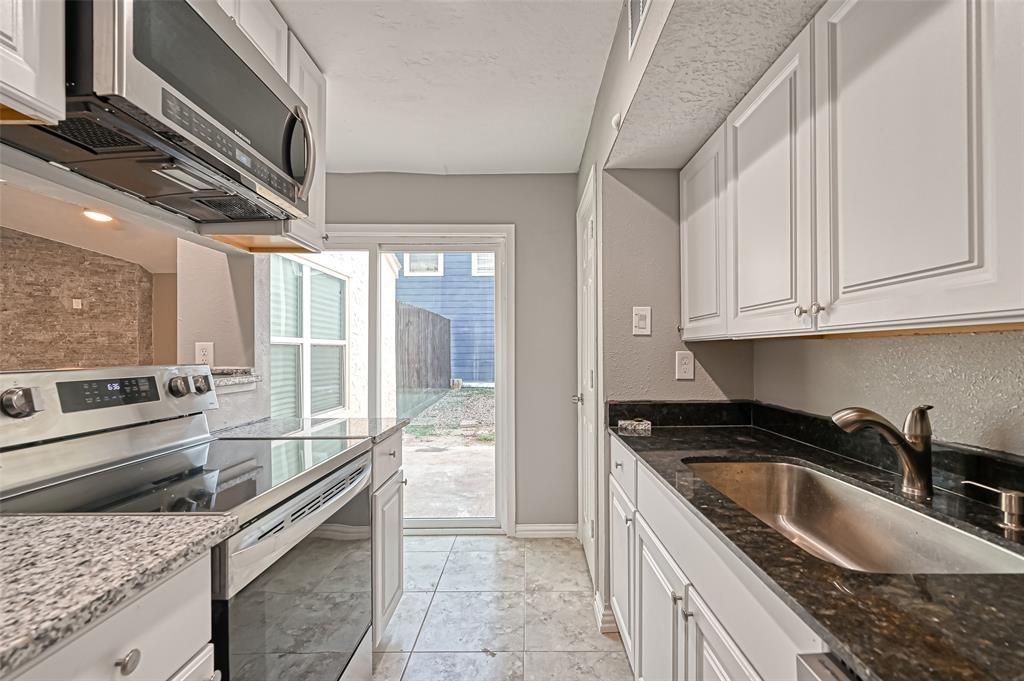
(618, 464)
(405, 481)
(130, 662)
(215, 676)
(799, 311)
(393, 453)
(816, 308)
(629, 521)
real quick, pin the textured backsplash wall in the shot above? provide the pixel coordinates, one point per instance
(39, 325)
(975, 381)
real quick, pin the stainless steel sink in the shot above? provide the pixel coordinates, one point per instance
(849, 526)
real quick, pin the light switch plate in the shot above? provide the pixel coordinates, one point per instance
(204, 354)
(641, 321)
(684, 365)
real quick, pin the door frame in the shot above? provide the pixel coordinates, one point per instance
(585, 213)
(378, 238)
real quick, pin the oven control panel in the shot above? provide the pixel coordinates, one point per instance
(37, 406)
(112, 392)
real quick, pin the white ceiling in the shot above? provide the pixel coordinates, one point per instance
(709, 55)
(26, 211)
(470, 86)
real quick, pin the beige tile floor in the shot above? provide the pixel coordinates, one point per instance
(488, 608)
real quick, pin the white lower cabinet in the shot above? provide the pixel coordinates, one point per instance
(687, 608)
(388, 551)
(660, 638)
(621, 565)
(711, 655)
(163, 635)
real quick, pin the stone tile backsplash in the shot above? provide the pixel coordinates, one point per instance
(40, 327)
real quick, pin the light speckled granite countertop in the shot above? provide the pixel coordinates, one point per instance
(61, 573)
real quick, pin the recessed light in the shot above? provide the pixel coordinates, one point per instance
(96, 215)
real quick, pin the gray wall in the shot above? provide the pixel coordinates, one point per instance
(542, 207)
(641, 267)
(215, 303)
(975, 381)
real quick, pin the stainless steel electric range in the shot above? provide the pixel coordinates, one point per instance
(291, 588)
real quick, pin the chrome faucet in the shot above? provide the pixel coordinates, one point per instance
(913, 445)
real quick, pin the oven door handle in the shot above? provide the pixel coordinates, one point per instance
(248, 554)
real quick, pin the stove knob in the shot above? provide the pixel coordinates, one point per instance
(202, 384)
(21, 402)
(178, 386)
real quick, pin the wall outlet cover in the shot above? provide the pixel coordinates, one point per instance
(204, 354)
(641, 321)
(684, 365)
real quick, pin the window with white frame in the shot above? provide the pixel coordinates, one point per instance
(483, 264)
(308, 339)
(423, 264)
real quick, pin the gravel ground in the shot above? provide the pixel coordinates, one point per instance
(469, 411)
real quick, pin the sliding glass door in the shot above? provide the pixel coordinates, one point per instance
(437, 325)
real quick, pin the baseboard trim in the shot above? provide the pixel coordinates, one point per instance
(546, 531)
(605, 618)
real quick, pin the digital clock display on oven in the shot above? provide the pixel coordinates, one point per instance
(84, 395)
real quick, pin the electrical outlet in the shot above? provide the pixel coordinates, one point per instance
(204, 354)
(684, 365)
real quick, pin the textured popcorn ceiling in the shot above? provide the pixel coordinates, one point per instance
(710, 53)
(478, 86)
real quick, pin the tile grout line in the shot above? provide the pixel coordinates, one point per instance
(426, 612)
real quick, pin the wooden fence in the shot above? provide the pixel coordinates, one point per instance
(424, 362)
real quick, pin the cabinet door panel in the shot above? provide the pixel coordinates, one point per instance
(659, 643)
(261, 21)
(711, 654)
(911, 100)
(388, 551)
(770, 226)
(32, 60)
(620, 549)
(702, 240)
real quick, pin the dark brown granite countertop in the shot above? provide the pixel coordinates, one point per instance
(891, 627)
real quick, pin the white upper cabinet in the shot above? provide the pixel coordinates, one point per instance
(920, 162)
(770, 225)
(311, 86)
(702, 240)
(32, 61)
(265, 26)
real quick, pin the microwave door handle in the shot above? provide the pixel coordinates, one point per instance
(311, 160)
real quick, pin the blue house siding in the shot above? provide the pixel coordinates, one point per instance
(468, 302)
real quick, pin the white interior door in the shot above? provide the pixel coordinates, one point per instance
(586, 397)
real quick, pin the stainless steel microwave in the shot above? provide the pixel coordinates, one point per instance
(169, 101)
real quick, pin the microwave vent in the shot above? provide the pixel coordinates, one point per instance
(235, 208)
(95, 137)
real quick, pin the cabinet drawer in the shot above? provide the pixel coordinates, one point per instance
(623, 468)
(167, 625)
(387, 458)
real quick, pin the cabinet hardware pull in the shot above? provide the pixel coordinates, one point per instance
(405, 481)
(799, 311)
(393, 453)
(215, 676)
(130, 662)
(629, 521)
(816, 308)
(618, 464)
